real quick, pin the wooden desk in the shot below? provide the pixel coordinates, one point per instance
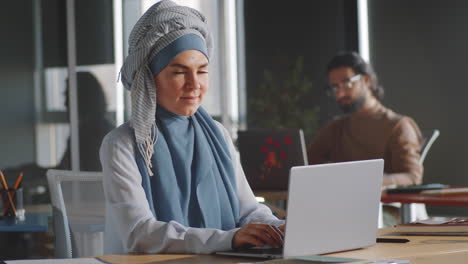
(408, 198)
(419, 246)
(404, 198)
(420, 250)
(175, 259)
(273, 195)
(448, 200)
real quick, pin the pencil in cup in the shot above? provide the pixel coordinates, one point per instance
(13, 194)
(7, 197)
(10, 209)
(4, 204)
(17, 183)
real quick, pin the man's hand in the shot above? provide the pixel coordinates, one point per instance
(258, 235)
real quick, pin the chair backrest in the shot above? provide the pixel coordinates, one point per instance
(429, 136)
(78, 212)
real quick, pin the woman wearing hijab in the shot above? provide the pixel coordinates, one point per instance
(172, 177)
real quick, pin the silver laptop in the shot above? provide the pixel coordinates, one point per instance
(331, 207)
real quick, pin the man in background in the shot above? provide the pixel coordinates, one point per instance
(367, 130)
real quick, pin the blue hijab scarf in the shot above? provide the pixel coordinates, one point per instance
(193, 182)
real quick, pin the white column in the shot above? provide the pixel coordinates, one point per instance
(230, 110)
(72, 86)
(118, 60)
(363, 30)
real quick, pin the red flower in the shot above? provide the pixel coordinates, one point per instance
(269, 140)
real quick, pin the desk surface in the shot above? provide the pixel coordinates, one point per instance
(33, 222)
(273, 195)
(419, 246)
(420, 250)
(447, 200)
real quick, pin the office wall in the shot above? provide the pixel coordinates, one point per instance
(94, 36)
(419, 49)
(277, 32)
(94, 32)
(16, 83)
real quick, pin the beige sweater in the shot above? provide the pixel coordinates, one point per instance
(379, 133)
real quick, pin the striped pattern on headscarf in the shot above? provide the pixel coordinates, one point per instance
(163, 23)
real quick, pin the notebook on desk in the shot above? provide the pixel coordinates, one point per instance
(331, 207)
(267, 155)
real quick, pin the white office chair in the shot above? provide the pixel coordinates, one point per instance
(78, 212)
(429, 136)
(418, 211)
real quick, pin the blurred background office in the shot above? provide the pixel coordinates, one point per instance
(418, 49)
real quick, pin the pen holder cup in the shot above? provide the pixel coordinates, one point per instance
(12, 203)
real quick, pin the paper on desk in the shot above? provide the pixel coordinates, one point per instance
(57, 261)
(432, 221)
(390, 261)
(311, 259)
(443, 220)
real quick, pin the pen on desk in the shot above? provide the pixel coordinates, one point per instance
(392, 240)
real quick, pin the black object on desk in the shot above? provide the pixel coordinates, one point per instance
(392, 240)
(417, 188)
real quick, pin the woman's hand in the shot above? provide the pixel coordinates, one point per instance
(282, 228)
(258, 235)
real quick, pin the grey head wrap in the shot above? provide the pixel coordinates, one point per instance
(162, 24)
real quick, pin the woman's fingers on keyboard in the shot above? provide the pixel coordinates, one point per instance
(258, 234)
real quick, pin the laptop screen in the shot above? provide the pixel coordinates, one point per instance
(268, 154)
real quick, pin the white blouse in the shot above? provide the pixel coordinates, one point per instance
(130, 224)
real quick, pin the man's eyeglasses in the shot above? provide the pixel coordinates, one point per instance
(346, 83)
